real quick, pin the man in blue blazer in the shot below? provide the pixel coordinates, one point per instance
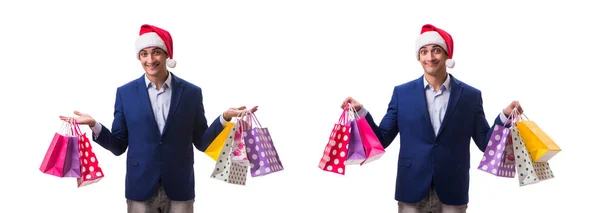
(159, 118)
(436, 116)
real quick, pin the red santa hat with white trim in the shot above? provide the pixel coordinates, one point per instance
(433, 35)
(152, 36)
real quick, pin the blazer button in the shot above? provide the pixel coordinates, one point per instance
(435, 144)
(161, 143)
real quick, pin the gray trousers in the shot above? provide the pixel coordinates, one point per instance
(431, 204)
(160, 203)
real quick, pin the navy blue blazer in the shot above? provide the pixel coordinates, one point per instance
(425, 157)
(151, 157)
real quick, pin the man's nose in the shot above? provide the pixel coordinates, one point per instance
(149, 60)
(428, 56)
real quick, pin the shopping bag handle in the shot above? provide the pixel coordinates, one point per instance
(64, 128)
(76, 128)
(344, 117)
(354, 112)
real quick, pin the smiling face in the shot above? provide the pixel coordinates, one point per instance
(154, 61)
(433, 59)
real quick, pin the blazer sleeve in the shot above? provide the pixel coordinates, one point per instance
(388, 127)
(481, 130)
(204, 134)
(115, 140)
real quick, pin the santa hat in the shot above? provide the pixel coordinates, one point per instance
(433, 35)
(151, 36)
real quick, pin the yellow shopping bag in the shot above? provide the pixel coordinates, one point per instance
(216, 145)
(539, 145)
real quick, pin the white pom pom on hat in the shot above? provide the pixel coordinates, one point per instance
(152, 36)
(433, 35)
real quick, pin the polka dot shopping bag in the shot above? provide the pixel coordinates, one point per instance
(264, 158)
(495, 159)
(225, 169)
(528, 171)
(334, 156)
(90, 168)
(498, 158)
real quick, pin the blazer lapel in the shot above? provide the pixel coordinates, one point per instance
(145, 104)
(421, 101)
(176, 91)
(455, 93)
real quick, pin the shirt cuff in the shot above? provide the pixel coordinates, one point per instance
(223, 121)
(503, 117)
(362, 112)
(97, 129)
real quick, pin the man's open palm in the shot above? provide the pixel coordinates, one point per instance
(82, 119)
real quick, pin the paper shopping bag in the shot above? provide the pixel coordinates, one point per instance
(215, 147)
(72, 166)
(54, 160)
(56, 154)
(541, 147)
(493, 160)
(373, 148)
(239, 153)
(334, 155)
(264, 158)
(91, 172)
(356, 149)
(226, 170)
(529, 172)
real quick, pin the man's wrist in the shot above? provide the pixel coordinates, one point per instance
(226, 118)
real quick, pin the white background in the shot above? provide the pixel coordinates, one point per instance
(298, 60)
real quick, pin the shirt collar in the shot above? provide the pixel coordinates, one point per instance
(445, 85)
(167, 82)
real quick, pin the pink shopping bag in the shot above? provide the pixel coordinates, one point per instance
(54, 160)
(373, 148)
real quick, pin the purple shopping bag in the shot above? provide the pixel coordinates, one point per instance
(356, 149)
(261, 152)
(72, 167)
(494, 160)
